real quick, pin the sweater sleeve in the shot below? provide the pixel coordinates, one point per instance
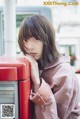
(42, 95)
(45, 104)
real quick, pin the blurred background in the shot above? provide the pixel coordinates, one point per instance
(65, 19)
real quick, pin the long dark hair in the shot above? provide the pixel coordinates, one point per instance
(39, 27)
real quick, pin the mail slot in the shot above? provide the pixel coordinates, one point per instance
(14, 88)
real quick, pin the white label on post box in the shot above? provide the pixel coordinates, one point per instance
(8, 111)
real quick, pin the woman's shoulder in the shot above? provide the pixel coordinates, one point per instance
(60, 62)
(61, 69)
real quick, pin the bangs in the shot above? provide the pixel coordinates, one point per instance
(29, 30)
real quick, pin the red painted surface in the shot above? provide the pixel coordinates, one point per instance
(18, 69)
(8, 73)
(24, 91)
(21, 64)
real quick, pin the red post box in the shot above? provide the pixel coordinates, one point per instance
(14, 88)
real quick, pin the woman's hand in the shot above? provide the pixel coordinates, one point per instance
(34, 72)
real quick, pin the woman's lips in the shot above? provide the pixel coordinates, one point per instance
(32, 54)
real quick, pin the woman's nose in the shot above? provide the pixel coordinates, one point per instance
(29, 46)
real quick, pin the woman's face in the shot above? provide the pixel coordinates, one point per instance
(34, 47)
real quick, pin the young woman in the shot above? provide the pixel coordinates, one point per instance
(56, 92)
